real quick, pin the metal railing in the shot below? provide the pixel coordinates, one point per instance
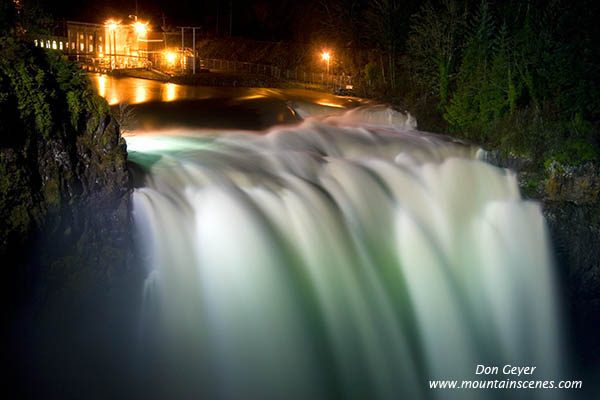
(299, 75)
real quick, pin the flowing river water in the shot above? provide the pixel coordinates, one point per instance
(303, 245)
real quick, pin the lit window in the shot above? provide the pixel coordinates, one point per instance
(60, 45)
(91, 38)
(54, 44)
(99, 38)
(35, 42)
(47, 44)
(81, 36)
(72, 45)
(91, 48)
(81, 46)
(99, 48)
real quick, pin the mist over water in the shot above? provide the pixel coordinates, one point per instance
(339, 256)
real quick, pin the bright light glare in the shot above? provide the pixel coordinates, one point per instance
(146, 142)
(325, 55)
(328, 104)
(102, 85)
(170, 57)
(141, 93)
(111, 24)
(141, 28)
(171, 92)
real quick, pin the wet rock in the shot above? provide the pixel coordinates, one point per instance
(69, 284)
(65, 190)
(580, 185)
(570, 198)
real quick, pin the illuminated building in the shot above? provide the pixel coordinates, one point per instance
(112, 45)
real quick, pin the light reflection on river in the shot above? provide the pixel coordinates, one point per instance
(160, 105)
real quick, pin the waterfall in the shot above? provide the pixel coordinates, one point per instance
(350, 256)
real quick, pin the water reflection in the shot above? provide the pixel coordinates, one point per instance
(327, 103)
(251, 97)
(166, 105)
(101, 85)
(141, 94)
(136, 91)
(170, 92)
(107, 88)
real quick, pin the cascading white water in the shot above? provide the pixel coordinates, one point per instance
(341, 257)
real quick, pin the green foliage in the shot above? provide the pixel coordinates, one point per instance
(25, 87)
(576, 151)
(35, 17)
(382, 17)
(477, 97)
(433, 46)
(530, 132)
(372, 74)
(42, 93)
(26, 16)
(8, 17)
(521, 75)
(444, 77)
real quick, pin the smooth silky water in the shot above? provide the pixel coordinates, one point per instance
(340, 256)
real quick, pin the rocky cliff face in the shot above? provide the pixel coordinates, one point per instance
(64, 192)
(571, 203)
(65, 230)
(63, 172)
(58, 190)
(570, 197)
(65, 206)
(69, 242)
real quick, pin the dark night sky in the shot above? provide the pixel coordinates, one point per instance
(97, 11)
(261, 19)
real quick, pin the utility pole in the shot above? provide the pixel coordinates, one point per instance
(194, 49)
(164, 30)
(182, 50)
(115, 46)
(193, 28)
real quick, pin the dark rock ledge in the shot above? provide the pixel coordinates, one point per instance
(71, 285)
(570, 198)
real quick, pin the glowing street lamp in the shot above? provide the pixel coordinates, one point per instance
(111, 24)
(326, 57)
(170, 56)
(141, 28)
